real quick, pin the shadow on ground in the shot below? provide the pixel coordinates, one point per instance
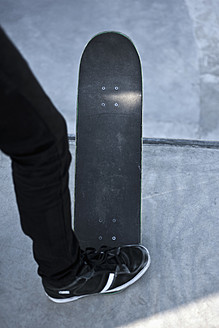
(180, 210)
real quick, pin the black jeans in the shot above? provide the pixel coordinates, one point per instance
(33, 133)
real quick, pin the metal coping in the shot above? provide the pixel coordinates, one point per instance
(172, 142)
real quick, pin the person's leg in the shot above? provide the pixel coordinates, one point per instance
(33, 134)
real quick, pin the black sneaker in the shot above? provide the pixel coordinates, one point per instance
(107, 270)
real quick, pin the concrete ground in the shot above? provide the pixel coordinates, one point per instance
(178, 42)
(180, 212)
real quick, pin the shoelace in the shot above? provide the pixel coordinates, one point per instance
(105, 256)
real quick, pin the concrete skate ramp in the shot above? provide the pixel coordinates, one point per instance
(180, 215)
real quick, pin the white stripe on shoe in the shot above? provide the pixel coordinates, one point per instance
(66, 300)
(109, 282)
(132, 281)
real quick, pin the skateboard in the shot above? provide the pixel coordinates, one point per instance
(107, 207)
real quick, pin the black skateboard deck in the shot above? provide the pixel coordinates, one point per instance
(108, 143)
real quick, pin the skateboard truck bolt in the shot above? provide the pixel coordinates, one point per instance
(103, 104)
(114, 238)
(100, 238)
(114, 220)
(103, 88)
(116, 88)
(116, 104)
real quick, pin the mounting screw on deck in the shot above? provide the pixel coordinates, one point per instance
(103, 104)
(100, 237)
(116, 104)
(103, 88)
(116, 88)
(100, 220)
(114, 238)
(114, 220)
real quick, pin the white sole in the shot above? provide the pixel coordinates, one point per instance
(117, 289)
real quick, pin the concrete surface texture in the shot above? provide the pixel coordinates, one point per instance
(180, 206)
(178, 42)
